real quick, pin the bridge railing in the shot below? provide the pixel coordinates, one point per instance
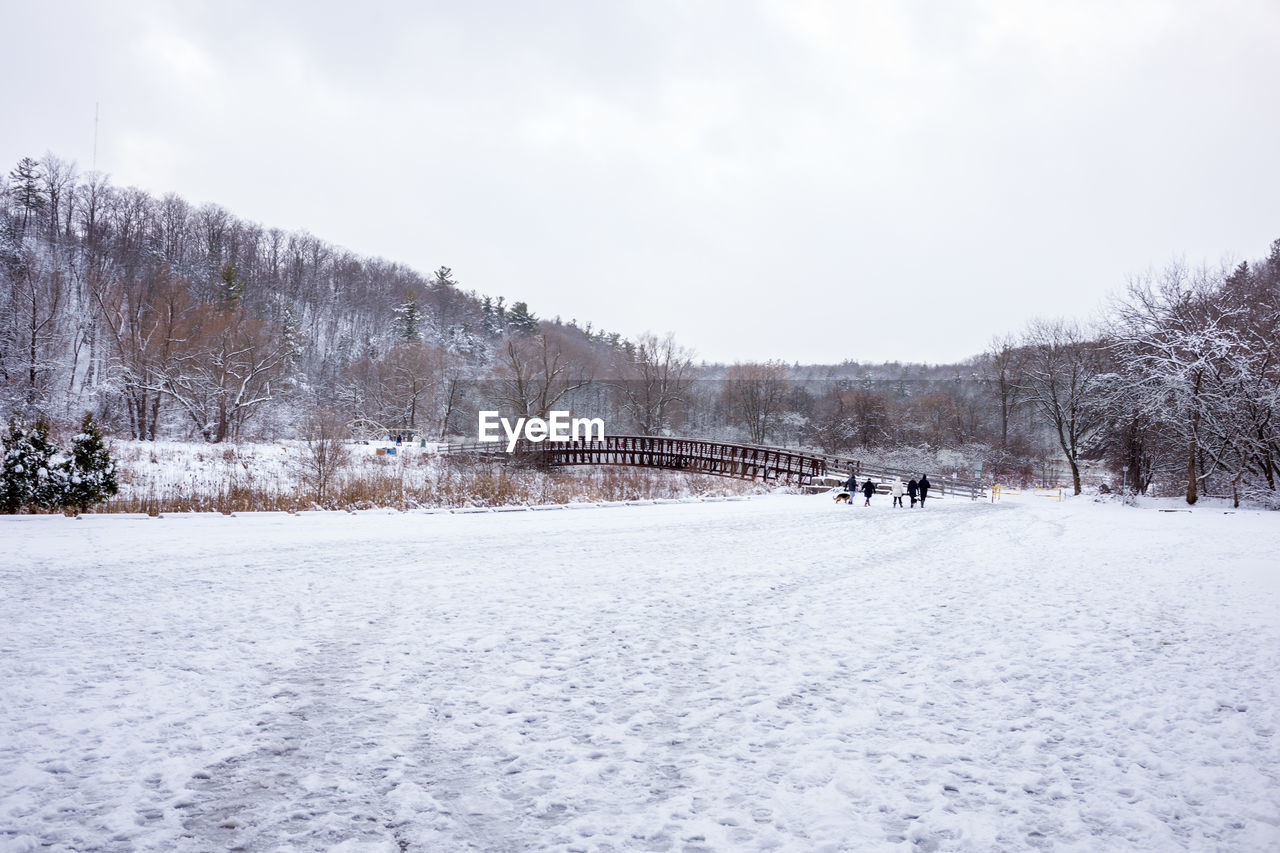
(726, 459)
(743, 461)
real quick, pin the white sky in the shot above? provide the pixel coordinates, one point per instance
(798, 179)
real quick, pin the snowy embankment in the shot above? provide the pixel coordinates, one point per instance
(157, 477)
(774, 674)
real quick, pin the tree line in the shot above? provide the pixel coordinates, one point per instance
(165, 318)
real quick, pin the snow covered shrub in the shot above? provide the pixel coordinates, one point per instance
(34, 478)
(89, 476)
(29, 477)
(15, 491)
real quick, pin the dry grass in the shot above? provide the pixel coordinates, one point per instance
(228, 480)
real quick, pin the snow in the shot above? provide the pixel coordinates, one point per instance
(778, 673)
(268, 475)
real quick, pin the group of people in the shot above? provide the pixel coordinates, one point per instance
(916, 490)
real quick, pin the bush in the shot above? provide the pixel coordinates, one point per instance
(33, 479)
(89, 476)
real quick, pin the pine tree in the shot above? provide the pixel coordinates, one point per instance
(15, 488)
(442, 279)
(291, 330)
(26, 190)
(520, 320)
(29, 477)
(409, 319)
(230, 285)
(495, 315)
(50, 482)
(89, 475)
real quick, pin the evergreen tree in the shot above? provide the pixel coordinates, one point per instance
(442, 279)
(230, 286)
(15, 488)
(25, 188)
(520, 320)
(50, 481)
(495, 315)
(29, 477)
(294, 343)
(89, 475)
(409, 319)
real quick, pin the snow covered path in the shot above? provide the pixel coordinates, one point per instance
(777, 674)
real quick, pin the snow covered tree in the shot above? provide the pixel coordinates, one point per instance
(25, 187)
(754, 393)
(411, 372)
(1061, 377)
(89, 475)
(998, 368)
(142, 325)
(655, 373)
(230, 286)
(29, 477)
(1180, 352)
(58, 183)
(291, 337)
(30, 333)
(409, 319)
(15, 477)
(537, 373)
(519, 319)
(495, 315)
(226, 365)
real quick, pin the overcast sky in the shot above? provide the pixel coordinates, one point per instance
(810, 181)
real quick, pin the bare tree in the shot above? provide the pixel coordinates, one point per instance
(173, 223)
(535, 373)
(95, 198)
(413, 371)
(59, 178)
(453, 372)
(226, 365)
(655, 374)
(1062, 378)
(141, 323)
(325, 453)
(36, 292)
(754, 393)
(999, 369)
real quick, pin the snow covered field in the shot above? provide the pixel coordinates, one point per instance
(772, 674)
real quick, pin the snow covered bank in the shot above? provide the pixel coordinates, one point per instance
(775, 674)
(160, 477)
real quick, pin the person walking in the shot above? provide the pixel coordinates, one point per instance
(868, 489)
(913, 488)
(924, 488)
(897, 490)
(851, 486)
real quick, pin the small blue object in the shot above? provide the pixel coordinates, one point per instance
(391, 451)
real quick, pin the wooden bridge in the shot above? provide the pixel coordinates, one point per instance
(743, 461)
(784, 466)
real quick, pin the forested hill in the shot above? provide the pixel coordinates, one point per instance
(113, 298)
(88, 265)
(94, 237)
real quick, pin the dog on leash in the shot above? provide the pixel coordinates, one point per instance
(842, 497)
